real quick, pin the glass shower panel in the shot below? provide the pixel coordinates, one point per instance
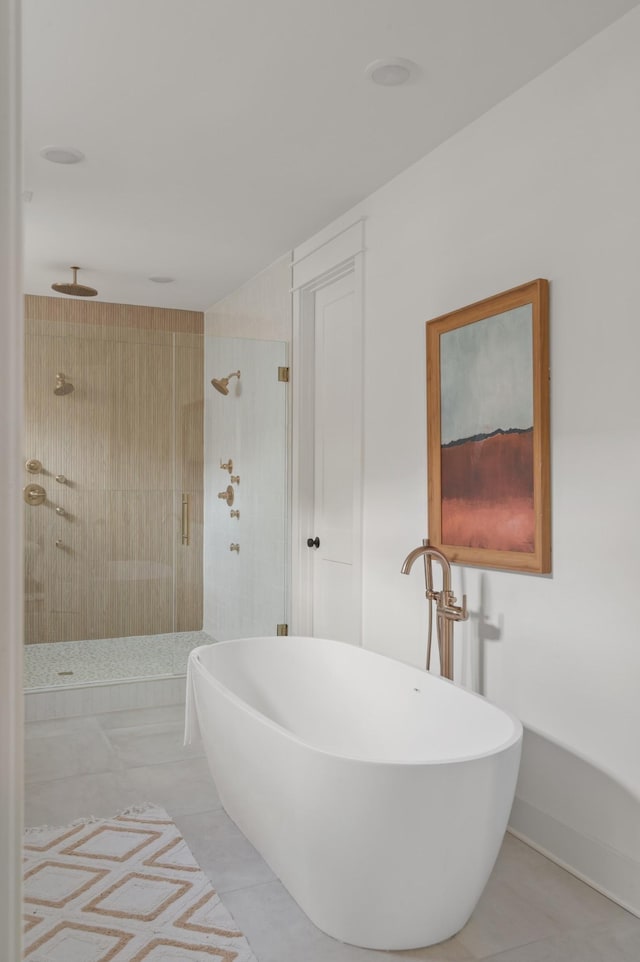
(245, 449)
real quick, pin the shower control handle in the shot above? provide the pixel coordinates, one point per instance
(234, 547)
(227, 465)
(34, 494)
(227, 495)
(313, 542)
(235, 479)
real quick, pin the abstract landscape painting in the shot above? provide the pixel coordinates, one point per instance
(486, 415)
(486, 503)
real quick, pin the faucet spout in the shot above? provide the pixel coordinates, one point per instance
(425, 550)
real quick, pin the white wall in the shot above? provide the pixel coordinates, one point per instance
(547, 184)
(11, 602)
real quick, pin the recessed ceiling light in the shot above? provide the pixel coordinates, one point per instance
(162, 280)
(391, 72)
(62, 155)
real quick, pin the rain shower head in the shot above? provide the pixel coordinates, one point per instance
(221, 384)
(75, 289)
(62, 385)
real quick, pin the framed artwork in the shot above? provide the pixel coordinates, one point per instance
(488, 431)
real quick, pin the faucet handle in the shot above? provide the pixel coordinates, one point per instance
(449, 609)
(227, 495)
(460, 611)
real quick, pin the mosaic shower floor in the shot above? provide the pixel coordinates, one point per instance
(109, 659)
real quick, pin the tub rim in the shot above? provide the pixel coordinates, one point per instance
(514, 739)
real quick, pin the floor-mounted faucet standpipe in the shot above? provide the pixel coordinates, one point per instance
(447, 611)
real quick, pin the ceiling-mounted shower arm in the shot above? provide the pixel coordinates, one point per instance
(75, 289)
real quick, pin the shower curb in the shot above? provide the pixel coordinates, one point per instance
(44, 704)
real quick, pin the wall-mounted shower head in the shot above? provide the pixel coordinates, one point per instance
(75, 289)
(62, 385)
(221, 384)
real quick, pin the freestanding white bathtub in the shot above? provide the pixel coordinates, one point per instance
(379, 794)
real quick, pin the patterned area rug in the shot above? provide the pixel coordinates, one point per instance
(124, 889)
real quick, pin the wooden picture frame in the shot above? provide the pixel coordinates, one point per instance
(488, 431)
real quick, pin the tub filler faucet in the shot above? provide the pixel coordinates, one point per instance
(447, 611)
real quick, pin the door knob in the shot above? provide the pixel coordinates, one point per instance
(313, 542)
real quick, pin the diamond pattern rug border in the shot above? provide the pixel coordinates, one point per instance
(142, 906)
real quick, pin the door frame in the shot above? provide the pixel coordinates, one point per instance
(11, 549)
(330, 260)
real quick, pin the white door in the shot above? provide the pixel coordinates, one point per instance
(335, 561)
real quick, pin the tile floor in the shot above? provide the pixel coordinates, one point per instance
(531, 910)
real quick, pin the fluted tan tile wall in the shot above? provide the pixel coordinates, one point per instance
(112, 315)
(138, 376)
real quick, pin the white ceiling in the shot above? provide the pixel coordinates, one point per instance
(218, 134)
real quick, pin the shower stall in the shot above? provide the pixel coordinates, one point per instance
(128, 558)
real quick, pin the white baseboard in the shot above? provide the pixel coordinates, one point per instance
(605, 869)
(42, 704)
